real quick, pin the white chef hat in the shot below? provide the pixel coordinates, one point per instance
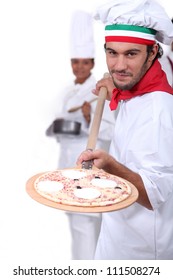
(136, 21)
(82, 35)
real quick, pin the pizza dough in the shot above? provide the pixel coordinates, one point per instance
(82, 187)
(50, 186)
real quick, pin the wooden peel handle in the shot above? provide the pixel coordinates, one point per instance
(92, 139)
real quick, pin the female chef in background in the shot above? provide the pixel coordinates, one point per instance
(85, 227)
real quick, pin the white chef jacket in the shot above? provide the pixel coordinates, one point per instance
(143, 141)
(166, 66)
(73, 145)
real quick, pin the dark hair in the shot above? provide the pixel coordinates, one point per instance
(159, 53)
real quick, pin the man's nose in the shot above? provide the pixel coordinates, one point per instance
(121, 63)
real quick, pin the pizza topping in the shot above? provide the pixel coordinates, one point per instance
(87, 193)
(73, 174)
(103, 183)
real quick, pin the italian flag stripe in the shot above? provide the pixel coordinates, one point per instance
(133, 28)
(129, 40)
(129, 33)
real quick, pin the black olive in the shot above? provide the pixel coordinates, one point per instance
(78, 187)
(118, 188)
(97, 177)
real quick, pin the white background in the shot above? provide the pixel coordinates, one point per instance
(34, 68)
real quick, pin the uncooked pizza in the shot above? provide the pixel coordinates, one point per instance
(82, 187)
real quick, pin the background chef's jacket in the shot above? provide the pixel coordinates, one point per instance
(73, 145)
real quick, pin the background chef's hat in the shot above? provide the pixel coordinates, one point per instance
(137, 21)
(81, 35)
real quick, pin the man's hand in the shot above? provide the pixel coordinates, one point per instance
(99, 157)
(108, 84)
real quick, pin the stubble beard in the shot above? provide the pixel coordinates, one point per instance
(134, 80)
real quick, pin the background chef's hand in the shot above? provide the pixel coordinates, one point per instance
(105, 82)
(100, 158)
(86, 110)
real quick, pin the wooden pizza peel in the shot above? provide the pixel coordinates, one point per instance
(91, 144)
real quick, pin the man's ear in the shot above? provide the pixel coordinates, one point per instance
(154, 52)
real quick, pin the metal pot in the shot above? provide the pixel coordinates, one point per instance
(62, 126)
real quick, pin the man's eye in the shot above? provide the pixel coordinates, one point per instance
(131, 54)
(110, 52)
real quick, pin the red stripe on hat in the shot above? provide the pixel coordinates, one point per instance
(129, 39)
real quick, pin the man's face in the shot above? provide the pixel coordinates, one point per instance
(127, 63)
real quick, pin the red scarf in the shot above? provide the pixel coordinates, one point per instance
(154, 80)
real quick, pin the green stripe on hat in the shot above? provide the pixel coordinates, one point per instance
(131, 28)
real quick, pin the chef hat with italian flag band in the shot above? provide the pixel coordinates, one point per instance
(135, 21)
(82, 35)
